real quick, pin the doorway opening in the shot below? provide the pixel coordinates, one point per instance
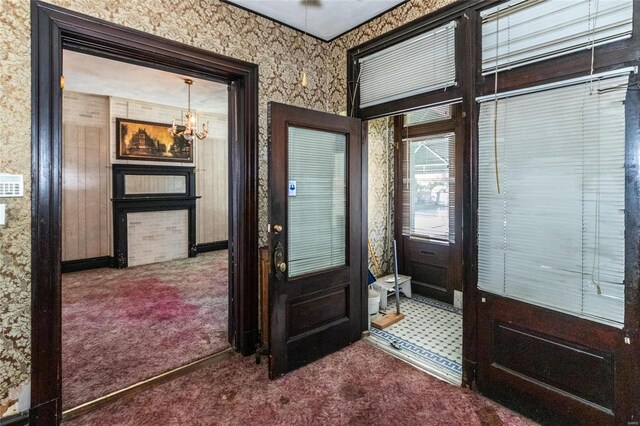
(145, 225)
(414, 198)
(56, 30)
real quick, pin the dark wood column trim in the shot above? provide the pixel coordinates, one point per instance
(54, 28)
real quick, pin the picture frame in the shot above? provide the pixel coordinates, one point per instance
(149, 141)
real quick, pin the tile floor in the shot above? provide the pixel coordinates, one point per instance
(430, 337)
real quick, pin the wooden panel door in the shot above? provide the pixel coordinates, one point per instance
(316, 279)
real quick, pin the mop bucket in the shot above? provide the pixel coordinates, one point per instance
(374, 303)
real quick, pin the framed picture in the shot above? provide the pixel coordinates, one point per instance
(143, 140)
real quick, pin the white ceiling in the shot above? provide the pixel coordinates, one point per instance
(326, 19)
(100, 76)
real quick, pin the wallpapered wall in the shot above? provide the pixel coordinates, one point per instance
(280, 52)
(380, 193)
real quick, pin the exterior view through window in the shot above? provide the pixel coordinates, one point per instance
(428, 179)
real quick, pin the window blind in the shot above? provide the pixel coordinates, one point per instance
(428, 166)
(418, 65)
(428, 115)
(317, 214)
(554, 234)
(519, 32)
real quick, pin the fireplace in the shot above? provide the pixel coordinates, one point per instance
(153, 214)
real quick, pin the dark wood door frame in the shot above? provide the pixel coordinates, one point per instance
(54, 29)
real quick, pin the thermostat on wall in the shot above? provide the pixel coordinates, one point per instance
(11, 185)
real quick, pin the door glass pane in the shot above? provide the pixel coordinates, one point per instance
(429, 187)
(318, 205)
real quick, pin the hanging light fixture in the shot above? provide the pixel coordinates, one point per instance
(190, 128)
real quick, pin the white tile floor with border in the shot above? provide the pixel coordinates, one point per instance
(430, 337)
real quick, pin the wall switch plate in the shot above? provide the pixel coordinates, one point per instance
(457, 299)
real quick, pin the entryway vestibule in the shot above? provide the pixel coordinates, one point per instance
(55, 29)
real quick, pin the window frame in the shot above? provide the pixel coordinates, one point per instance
(451, 125)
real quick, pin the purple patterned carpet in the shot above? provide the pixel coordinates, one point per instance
(360, 385)
(121, 326)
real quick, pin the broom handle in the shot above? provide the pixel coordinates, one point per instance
(395, 276)
(374, 259)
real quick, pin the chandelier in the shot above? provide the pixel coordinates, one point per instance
(190, 128)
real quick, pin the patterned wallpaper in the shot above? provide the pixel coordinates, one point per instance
(380, 193)
(380, 156)
(280, 52)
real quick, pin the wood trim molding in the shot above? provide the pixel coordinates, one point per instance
(54, 28)
(213, 246)
(86, 264)
(144, 385)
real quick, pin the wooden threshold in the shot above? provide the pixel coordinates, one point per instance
(144, 385)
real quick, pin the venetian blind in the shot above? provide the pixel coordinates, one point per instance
(428, 115)
(519, 32)
(554, 234)
(418, 65)
(317, 213)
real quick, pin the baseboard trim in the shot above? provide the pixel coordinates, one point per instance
(217, 245)
(19, 419)
(85, 264)
(144, 385)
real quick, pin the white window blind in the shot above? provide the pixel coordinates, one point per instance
(418, 65)
(519, 32)
(317, 214)
(554, 234)
(428, 115)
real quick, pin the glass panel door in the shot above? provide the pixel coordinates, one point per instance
(317, 200)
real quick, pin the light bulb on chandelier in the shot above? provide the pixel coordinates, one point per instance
(190, 129)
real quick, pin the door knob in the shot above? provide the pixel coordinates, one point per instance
(277, 228)
(282, 267)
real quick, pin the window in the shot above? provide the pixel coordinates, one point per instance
(429, 187)
(427, 115)
(520, 32)
(418, 65)
(317, 215)
(551, 197)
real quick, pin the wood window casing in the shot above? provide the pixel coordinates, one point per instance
(444, 255)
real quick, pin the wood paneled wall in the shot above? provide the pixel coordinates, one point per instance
(87, 157)
(212, 183)
(85, 192)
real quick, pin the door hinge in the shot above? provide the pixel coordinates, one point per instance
(62, 82)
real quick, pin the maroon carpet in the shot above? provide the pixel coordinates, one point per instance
(120, 326)
(360, 385)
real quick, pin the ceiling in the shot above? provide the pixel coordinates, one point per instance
(326, 19)
(100, 76)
